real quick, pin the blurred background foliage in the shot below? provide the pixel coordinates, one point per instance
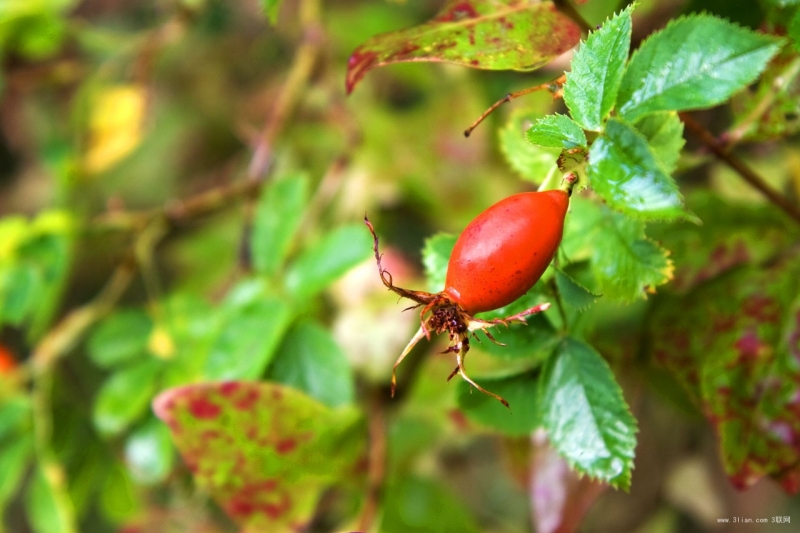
(162, 224)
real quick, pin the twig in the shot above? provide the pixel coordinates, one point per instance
(553, 86)
(749, 175)
(376, 473)
(287, 100)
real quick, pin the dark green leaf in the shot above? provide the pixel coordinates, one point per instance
(573, 293)
(310, 360)
(278, 215)
(264, 451)
(420, 505)
(664, 134)
(625, 173)
(483, 34)
(253, 324)
(585, 414)
(120, 338)
(533, 163)
(597, 68)
(693, 63)
(520, 393)
(149, 453)
(436, 257)
(556, 131)
(326, 261)
(794, 30)
(124, 397)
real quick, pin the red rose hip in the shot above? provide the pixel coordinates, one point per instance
(505, 250)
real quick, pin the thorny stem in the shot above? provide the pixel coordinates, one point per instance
(292, 90)
(554, 86)
(749, 175)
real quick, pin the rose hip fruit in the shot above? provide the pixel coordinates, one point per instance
(497, 258)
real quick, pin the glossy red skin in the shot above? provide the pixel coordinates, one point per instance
(503, 252)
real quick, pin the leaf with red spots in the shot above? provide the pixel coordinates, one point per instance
(733, 342)
(485, 34)
(263, 451)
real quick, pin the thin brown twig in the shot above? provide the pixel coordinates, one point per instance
(748, 174)
(376, 473)
(553, 86)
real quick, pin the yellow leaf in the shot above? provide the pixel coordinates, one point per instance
(115, 126)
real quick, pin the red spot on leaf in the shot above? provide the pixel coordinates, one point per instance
(204, 409)
(357, 66)
(750, 346)
(285, 446)
(762, 308)
(248, 400)
(474, 62)
(229, 388)
(460, 11)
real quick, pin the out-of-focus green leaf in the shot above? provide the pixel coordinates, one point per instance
(624, 171)
(15, 455)
(417, 505)
(149, 453)
(120, 338)
(594, 80)
(519, 391)
(695, 62)
(794, 30)
(532, 162)
(325, 261)
(573, 293)
(263, 451)
(125, 395)
(556, 131)
(14, 415)
(271, 8)
(310, 360)
(252, 326)
(48, 511)
(436, 257)
(664, 134)
(278, 215)
(585, 414)
(733, 343)
(118, 500)
(502, 35)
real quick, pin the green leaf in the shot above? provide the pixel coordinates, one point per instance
(15, 456)
(794, 30)
(573, 293)
(733, 343)
(270, 8)
(484, 34)
(597, 68)
(533, 163)
(421, 505)
(48, 511)
(278, 215)
(556, 131)
(120, 338)
(15, 412)
(253, 324)
(625, 262)
(624, 172)
(310, 360)
(520, 393)
(326, 261)
(585, 414)
(124, 397)
(664, 134)
(149, 453)
(436, 257)
(265, 452)
(693, 63)
(118, 499)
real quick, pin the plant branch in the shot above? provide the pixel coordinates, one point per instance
(553, 86)
(376, 473)
(749, 175)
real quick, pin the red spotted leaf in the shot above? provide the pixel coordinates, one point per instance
(734, 343)
(486, 34)
(262, 450)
